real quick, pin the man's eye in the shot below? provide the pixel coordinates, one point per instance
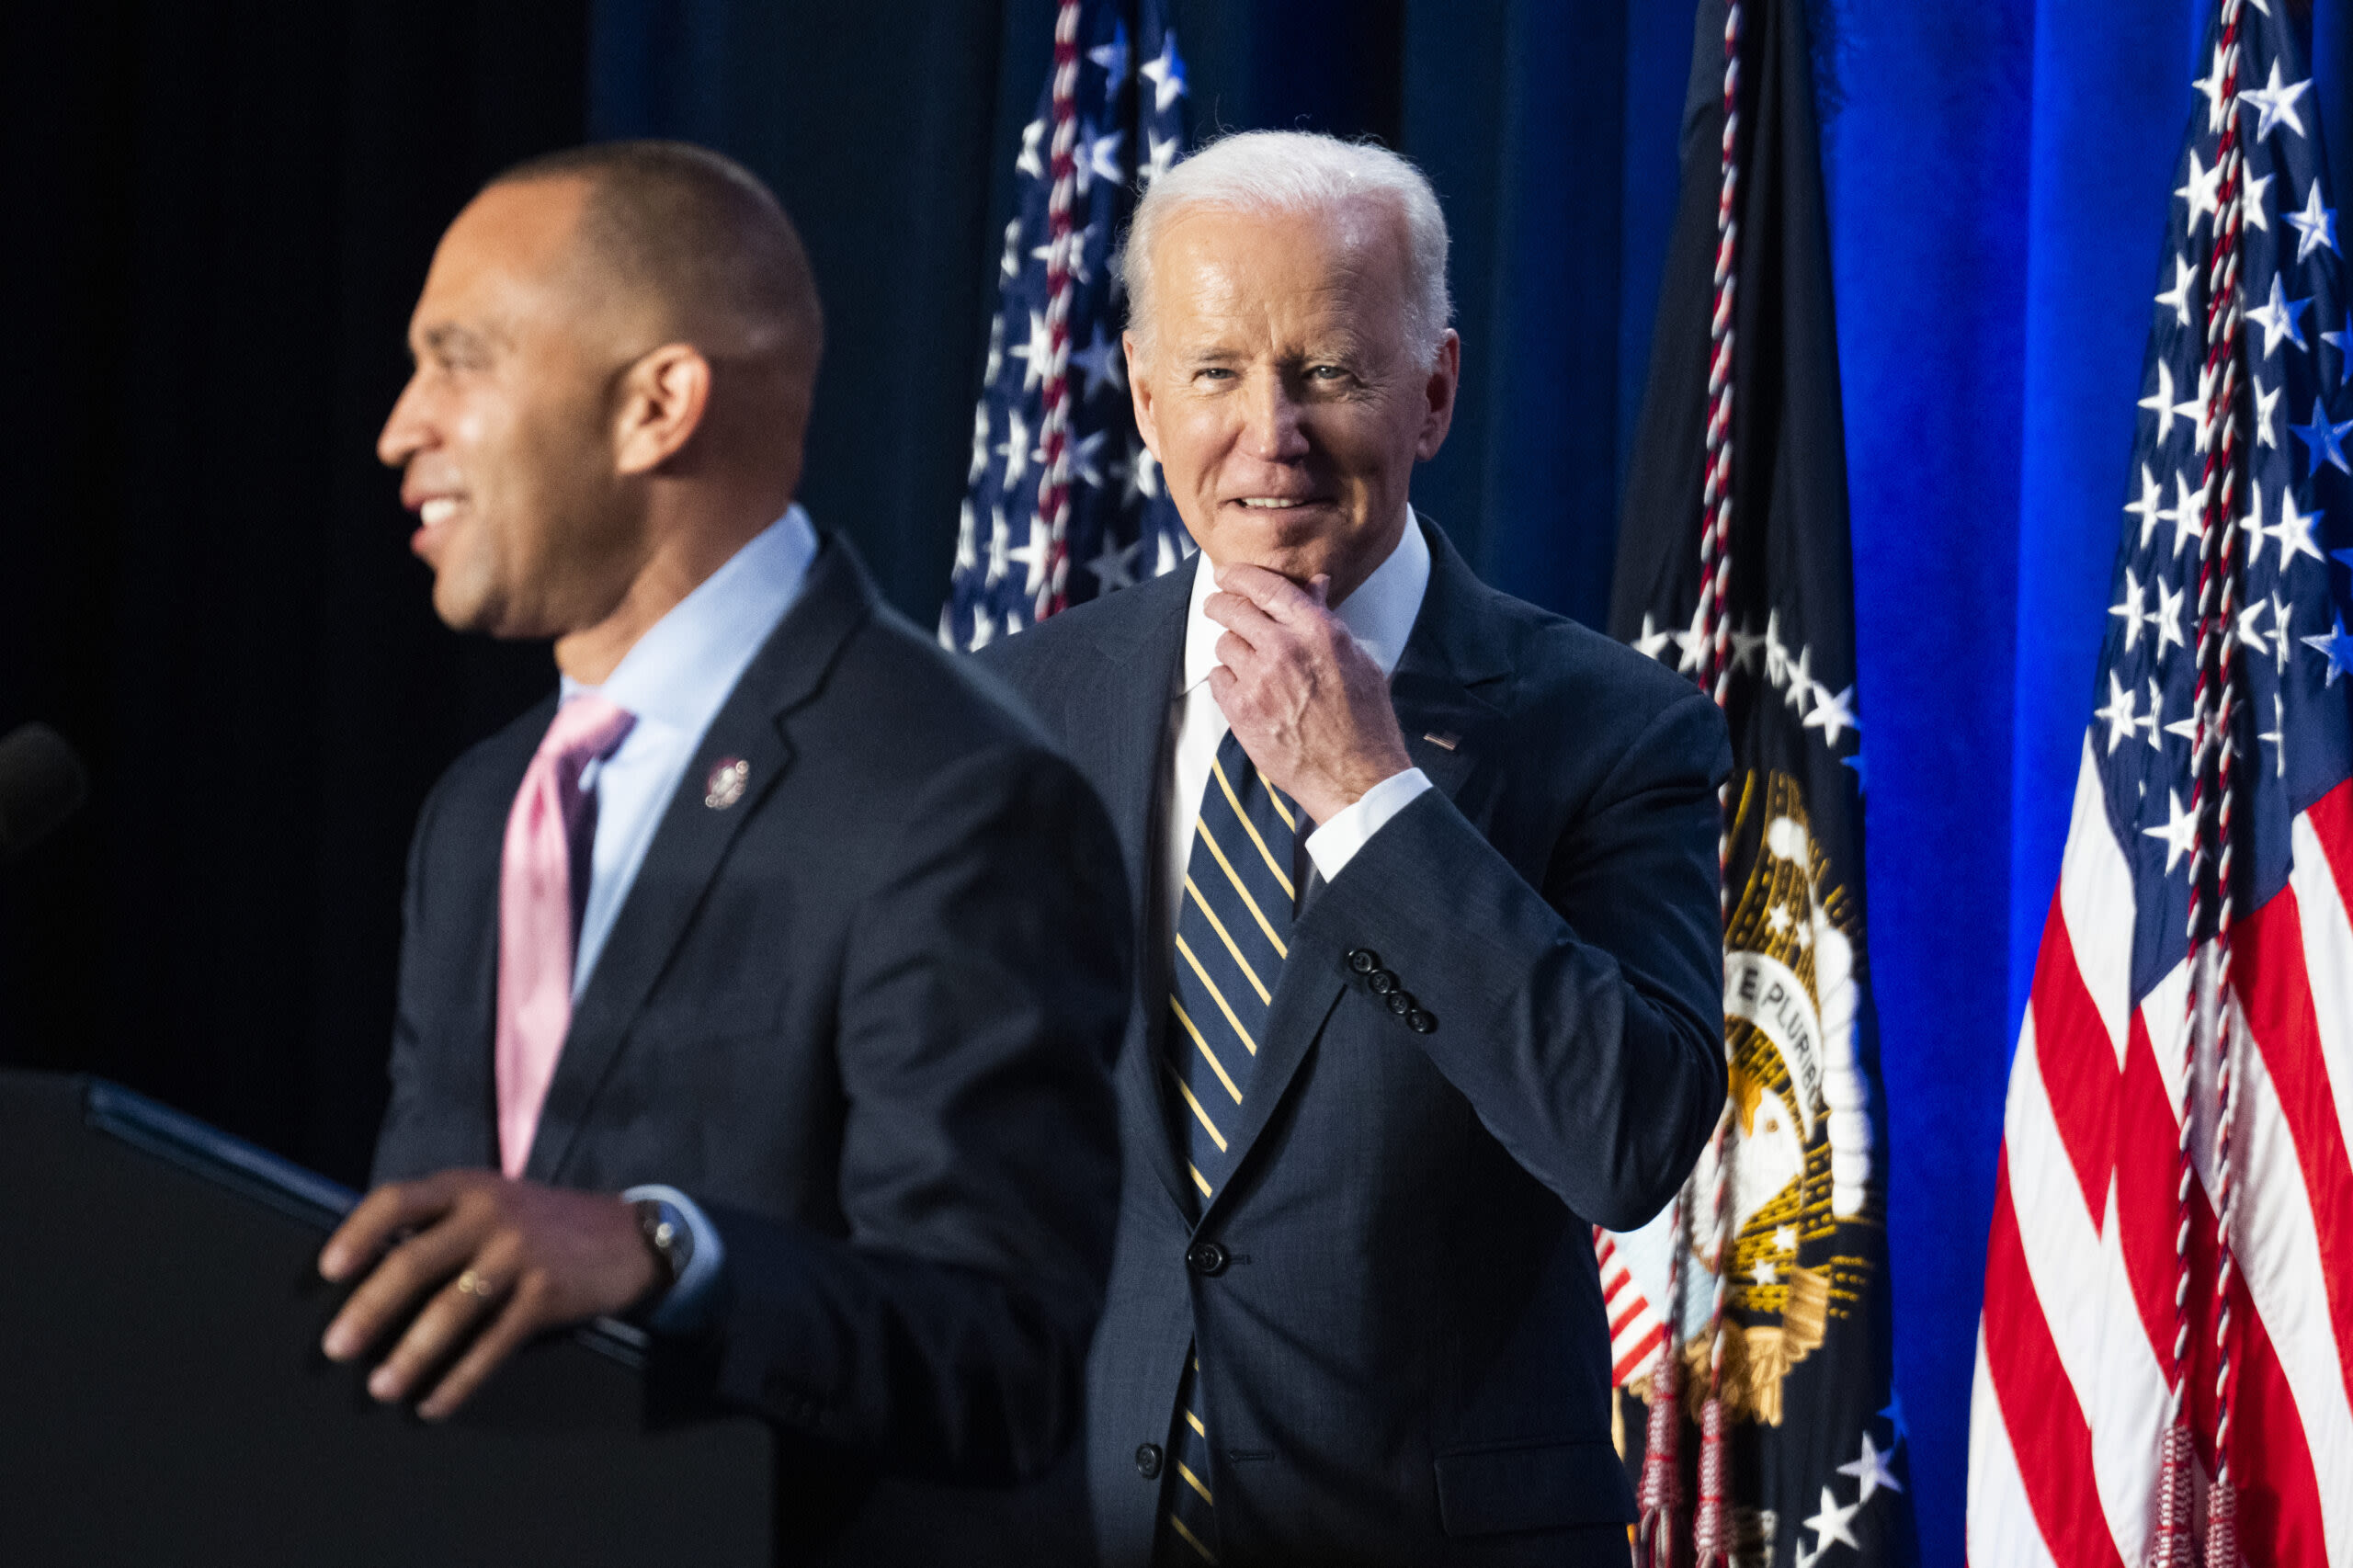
(1325, 372)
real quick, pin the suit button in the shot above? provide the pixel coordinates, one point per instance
(1364, 961)
(1381, 982)
(1420, 1022)
(1205, 1257)
(1401, 1003)
(1148, 1461)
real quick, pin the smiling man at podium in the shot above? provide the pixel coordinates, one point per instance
(759, 984)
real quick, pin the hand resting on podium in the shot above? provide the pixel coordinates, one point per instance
(488, 1264)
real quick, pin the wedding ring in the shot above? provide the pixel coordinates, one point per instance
(472, 1284)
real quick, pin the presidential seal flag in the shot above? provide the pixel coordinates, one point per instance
(2166, 1357)
(1063, 502)
(1751, 1321)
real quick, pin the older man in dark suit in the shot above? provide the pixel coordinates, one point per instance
(761, 982)
(1426, 883)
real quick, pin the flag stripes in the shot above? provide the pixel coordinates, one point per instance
(2079, 1311)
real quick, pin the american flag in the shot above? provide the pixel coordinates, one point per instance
(2081, 1350)
(1064, 503)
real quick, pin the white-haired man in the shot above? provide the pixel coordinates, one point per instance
(1430, 978)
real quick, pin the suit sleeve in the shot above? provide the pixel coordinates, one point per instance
(982, 997)
(1583, 1021)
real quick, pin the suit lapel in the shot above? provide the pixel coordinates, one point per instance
(1447, 690)
(693, 838)
(1118, 710)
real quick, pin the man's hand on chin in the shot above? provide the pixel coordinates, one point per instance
(489, 1261)
(1305, 700)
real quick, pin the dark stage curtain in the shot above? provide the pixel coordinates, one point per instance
(218, 219)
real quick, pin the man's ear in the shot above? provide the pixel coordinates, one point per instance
(1438, 396)
(661, 400)
(1140, 393)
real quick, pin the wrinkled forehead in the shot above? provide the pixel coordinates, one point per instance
(1342, 264)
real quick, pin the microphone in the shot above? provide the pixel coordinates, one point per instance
(42, 782)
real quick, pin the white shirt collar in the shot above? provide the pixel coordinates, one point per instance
(680, 671)
(1379, 614)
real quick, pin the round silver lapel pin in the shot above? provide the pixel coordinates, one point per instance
(726, 785)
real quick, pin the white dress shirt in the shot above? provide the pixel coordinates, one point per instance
(1380, 615)
(674, 679)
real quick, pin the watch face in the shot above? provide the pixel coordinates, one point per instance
(668, 1232)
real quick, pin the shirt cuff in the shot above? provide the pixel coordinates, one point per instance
(685, 1308)
(1336, 843)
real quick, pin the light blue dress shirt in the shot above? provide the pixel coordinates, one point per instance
(675, 680)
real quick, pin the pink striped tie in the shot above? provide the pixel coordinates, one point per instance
(548, 838)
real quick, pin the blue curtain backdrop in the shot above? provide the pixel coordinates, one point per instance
(1998, 176)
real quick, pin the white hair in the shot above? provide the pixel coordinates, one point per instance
(1298, 171)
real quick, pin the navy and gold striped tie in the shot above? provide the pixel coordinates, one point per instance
(1232, 934)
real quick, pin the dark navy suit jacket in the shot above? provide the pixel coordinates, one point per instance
(865, 1016)
(1405, 1359)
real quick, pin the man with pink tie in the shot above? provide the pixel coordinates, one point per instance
(760, 982)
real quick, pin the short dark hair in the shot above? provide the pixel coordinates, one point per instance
(699, 231)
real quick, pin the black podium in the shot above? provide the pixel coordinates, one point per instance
(162, 1401)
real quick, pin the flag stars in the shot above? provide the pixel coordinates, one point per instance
(2316, 226)
(2212, 87)
(1832, 1524)
(2123, 714)
(2293, 531)
(2323, 440)
(2167, 616)
(2185, 278)
(2281, 610)
(1693, 640)
(1166, 76)
(1000, 546)
(1014, 447)
(967, 547)
(2278, 317)
(2179, 832)
(1102, 362)
(1802, 681)
(1086, 458)
(1036, 557)
(1833, 713)
(2161, 402)
(1745, 644)
(2254, 202)
(1869, 1469)
(1113, 58)
(2132, 611)
(2274, 104)
(2149, 507)
(2188, 514)
(2267, 408)
(2277, 735)
(1110, 565)
(1033, 138)
(2333, 645)
(1160, 157)
(1653, 642)
(2202, 190)
(2246, 633)
(980, 444)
